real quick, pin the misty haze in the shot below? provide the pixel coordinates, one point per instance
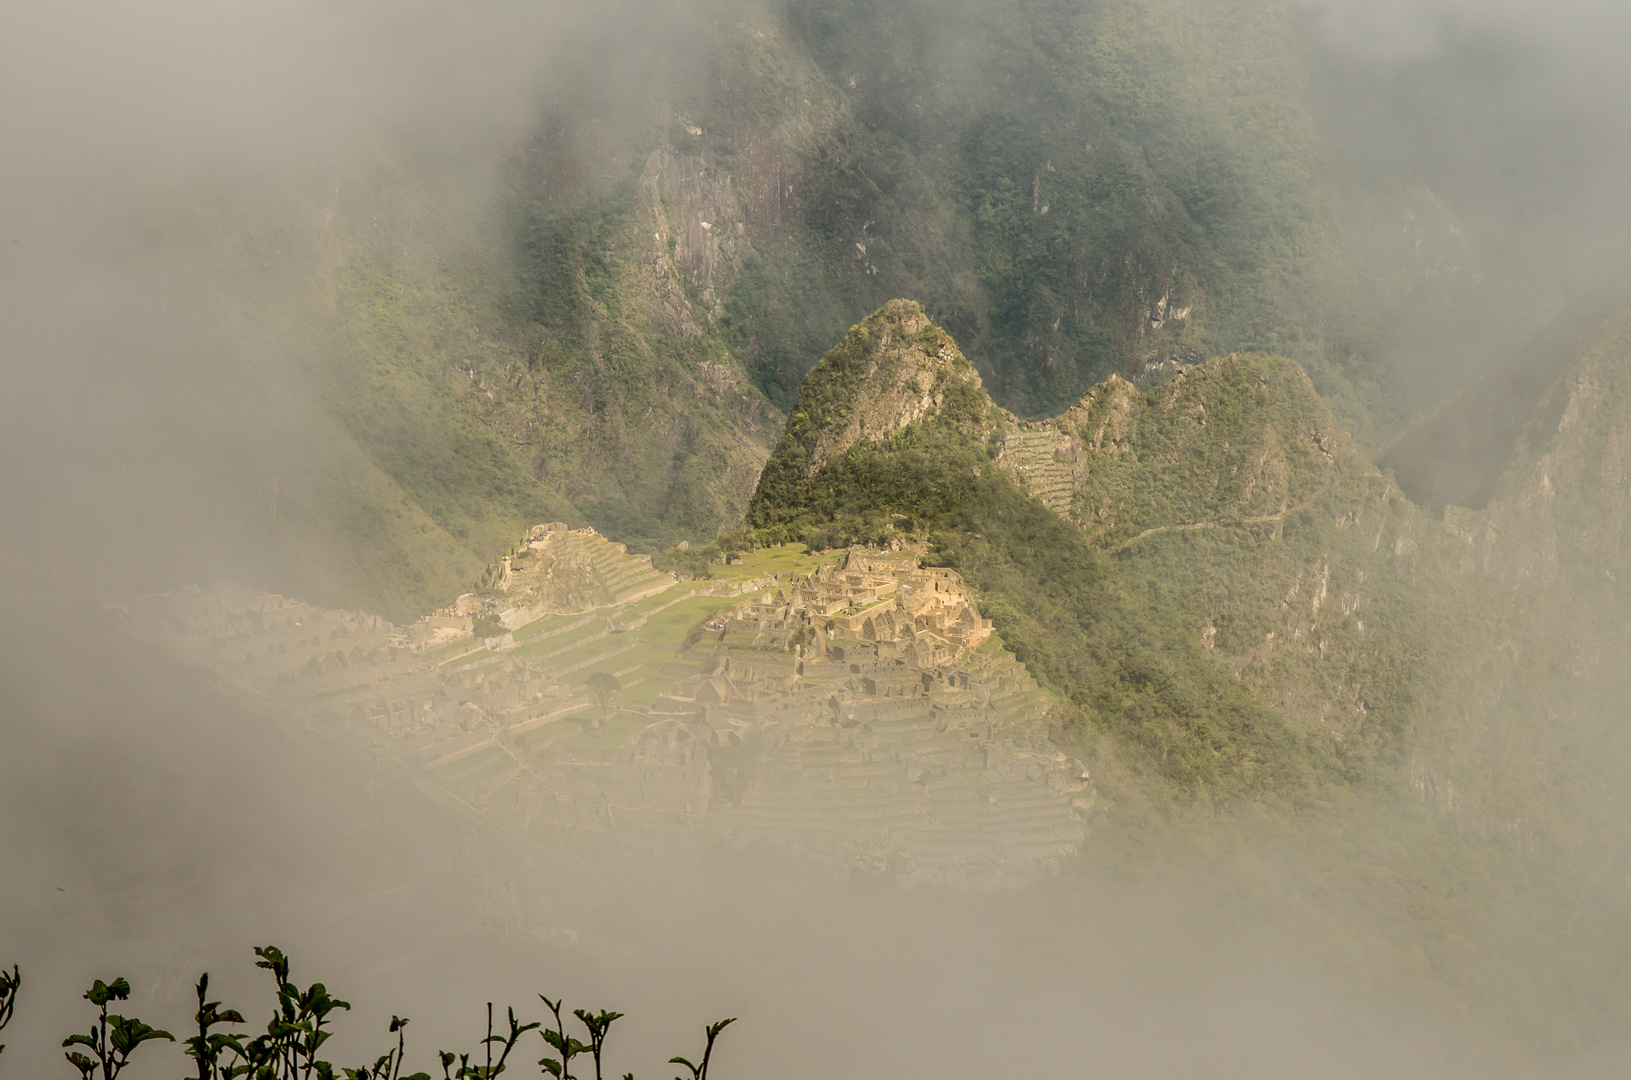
(966, 537)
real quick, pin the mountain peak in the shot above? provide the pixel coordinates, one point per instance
(893, 369)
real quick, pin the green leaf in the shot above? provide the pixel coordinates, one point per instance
(101, 993)
(127, 1034)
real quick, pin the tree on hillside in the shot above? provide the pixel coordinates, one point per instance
(603, 684)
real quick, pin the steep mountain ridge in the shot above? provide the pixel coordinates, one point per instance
(1233, 490)
(1227, 591)
(1134, 663)
(1235, 440)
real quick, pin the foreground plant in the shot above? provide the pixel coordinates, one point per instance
(113, 1038)
(208, 1047)
(289, 1048)
(700, 1070)
(566, 1046)
(388, 1066)
(467, 1071)
(9, 982)
(598, 1024)
(296, 1032)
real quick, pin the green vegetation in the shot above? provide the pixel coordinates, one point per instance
(487, 626)
(699, 1071)
(1129, 664)
(635, 462)
(673, 624)
(1077, 198)
(546, 625)
(113, 1038)
(1217, 605)
(289, 1048)
(602, 684)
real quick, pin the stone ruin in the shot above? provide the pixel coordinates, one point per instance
(861, 713)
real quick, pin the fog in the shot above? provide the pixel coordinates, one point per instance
(172, 177)
(155, 829)
(153, 824)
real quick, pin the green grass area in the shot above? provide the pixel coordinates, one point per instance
(654, 668)
(342, 690)
(464, 768)
(559, 641)
(618, 727)
(476, 664)
(645, 655)
(644, 695)
(650, 603)
(545, 732)
(544, 625)
(588, 650)
(549, 623)
(784, 559)
(671, 627)
(490, 769)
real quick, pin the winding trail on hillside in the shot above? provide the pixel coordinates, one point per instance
(1196, 525)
